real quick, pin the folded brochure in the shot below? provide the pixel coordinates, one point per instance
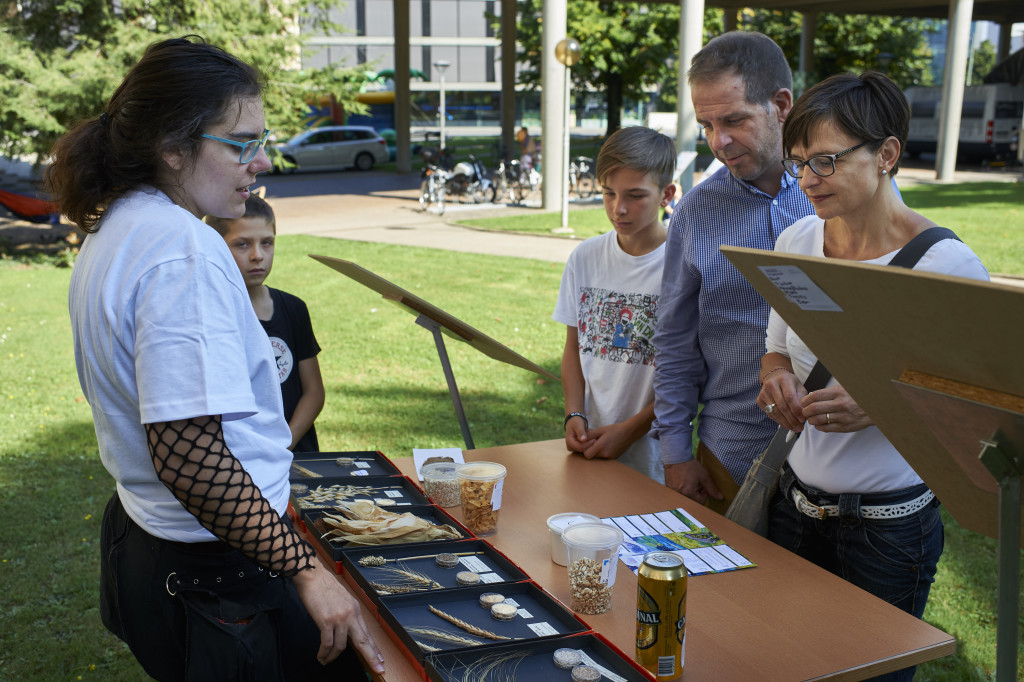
(678, 532)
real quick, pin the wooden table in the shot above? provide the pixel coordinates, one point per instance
(786, 619)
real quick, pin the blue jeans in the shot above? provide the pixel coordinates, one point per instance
(893, 559)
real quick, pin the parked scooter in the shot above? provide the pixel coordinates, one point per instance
(469, 179)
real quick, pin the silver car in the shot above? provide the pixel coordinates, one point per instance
(331, 148)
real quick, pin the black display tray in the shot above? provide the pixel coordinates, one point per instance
(316, 528)
(546, 616)
(397, 489)
(537, 664)
(369, 463)
(493, 567)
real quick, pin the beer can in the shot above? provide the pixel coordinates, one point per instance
(661, 615)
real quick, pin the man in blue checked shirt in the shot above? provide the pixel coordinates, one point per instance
(711, 328)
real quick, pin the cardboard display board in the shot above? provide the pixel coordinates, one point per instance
(876, 328)
(450, 325)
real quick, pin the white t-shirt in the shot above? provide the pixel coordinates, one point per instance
(863, 461)
(611, 298)
(164, 330)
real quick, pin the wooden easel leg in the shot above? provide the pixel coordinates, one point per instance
(449, 376)
(1007, 471)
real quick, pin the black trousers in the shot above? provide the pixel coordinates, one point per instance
(204, 611)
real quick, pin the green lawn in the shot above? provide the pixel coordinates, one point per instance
(385, 390)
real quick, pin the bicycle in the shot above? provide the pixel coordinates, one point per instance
(502, 182)
(582, 181)
(432, 188)
(527, 180)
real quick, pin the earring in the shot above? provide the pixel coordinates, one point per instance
(885, 172)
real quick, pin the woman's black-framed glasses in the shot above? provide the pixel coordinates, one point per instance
(823, 165)
(250, 148)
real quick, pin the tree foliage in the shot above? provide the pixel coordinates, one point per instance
(984, 59)
(60, 60)
(853, 43)
(630, 50)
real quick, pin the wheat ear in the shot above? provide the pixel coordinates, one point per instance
(441, 634)
(468, 627)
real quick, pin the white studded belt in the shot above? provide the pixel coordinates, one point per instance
(894, 511)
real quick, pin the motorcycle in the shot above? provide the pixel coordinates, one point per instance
(469, 179)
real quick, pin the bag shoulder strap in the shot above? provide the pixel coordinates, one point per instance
(912, 251)
(906, 257)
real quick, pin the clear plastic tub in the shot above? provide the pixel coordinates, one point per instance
(441, 484)
(593, 558)
(480, 486)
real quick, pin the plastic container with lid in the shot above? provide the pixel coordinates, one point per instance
(593, 558)
(480, 486)
(557, 523)
(441, 484)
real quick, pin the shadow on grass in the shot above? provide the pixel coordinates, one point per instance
(397, 418)
(55, 490)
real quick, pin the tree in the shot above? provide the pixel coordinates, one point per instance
(984, 59)
(628, 49)
(853, 43)
(61, 60)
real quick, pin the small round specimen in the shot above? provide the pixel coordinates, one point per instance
(489, 599)
(503, 611)
(467, 578)
(584, 673)
(446, 560)
(567, 658)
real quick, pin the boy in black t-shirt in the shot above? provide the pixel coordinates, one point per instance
(285, 318)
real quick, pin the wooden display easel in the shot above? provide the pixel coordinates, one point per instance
(936, 362)
(438, 323)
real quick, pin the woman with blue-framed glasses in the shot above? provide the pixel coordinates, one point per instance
(847, 499)
(202, 574)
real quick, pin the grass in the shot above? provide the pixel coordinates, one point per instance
(385, 390)
(989, 216)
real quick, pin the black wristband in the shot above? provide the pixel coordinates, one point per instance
(575, 414)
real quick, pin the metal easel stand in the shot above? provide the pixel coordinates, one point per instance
(435, 329)
(1007, 467)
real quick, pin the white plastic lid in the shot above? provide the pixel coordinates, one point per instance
(592, 535)
(557, 523)
(481, 471)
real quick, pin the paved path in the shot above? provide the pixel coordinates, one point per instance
(390, 213)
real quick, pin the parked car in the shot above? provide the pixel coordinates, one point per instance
(332, 148)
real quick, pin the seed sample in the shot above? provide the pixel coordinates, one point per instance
(587, 594)
(503, 611)
(567, 659)
(467, 578)
(584, 673)
(489, 599)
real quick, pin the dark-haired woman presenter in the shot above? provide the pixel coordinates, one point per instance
(848, 501)
(201, 573)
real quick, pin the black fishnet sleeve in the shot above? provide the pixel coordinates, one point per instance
(193, 461)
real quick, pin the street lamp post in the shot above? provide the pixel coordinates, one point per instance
(567, 52)
(442, 65)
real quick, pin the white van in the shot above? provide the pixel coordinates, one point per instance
(989, 119)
